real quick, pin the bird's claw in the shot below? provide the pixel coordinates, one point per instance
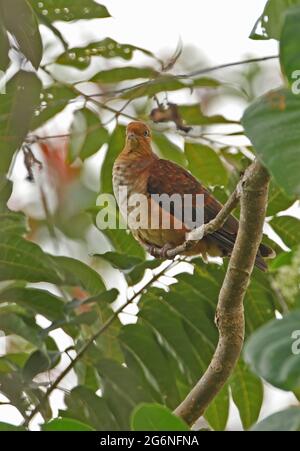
(159, 252)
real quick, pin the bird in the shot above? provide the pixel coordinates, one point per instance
(142, 172)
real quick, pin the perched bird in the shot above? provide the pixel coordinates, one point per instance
(141, 171)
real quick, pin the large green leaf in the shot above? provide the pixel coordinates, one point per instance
(66, 424)
(11, 222)
(16, 109)
(12, 323)
(68, 10)
(193, 115)
(168, 150)
(35, 301)
(284, 421)
(118, 74)
(217, 412)
(289, 50)
(76, 273)
(154, 417)
(247, 393)
(288, 228)
(278, 201)
(272, 19)
(85, 406)
(273, 352)
(115, 145)
(24, 260)
(205, 164)
(278, 111)
(87, 135)
(80, 57)
(21, 22)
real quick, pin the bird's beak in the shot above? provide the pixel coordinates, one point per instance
(131, 135)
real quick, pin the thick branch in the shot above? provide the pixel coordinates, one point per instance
(230, 312)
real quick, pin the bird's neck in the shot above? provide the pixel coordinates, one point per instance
(141, 154)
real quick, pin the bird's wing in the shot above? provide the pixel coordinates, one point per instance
(166, 177)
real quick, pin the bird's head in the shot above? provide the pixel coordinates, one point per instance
(138, 135)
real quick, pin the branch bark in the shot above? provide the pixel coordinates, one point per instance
(230, 311)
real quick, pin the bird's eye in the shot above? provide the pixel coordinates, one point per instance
(146, 133)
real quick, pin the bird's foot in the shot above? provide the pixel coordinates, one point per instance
(159, 252)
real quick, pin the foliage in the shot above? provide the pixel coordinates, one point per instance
(144, 369)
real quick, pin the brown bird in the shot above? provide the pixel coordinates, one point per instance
(142, 172)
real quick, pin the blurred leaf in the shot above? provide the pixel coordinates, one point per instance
(38, 362)
(278, 201)
(5, 191)
(272, 19)
(115, 145)
(52, 101)
(36, 301)
(141, 342)
(154, 417)
(80, 57)
(68, 10)
(192, 115)
(283, 259)
(168, 150)
(205, 164)
(85, 406)
(217, 412)
(273, 354)
(11, 323)
(87, 135)
(24, 260)
(118, 74)
(21, 22)
(286, 421)
(164, 83)
(289, 53)
(14, 361)
(278, 111)
(76, 273)
(66, 424)
(10, 427)
(205, 82)
(11, 222)
(4, 47)
(121, 261)
(247, 393)
(16, 109)
(122, 390)
(288, 228)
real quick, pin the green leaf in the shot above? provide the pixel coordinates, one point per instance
(285, 421)
(76, 273)
(154, 417)
(24, 260)
(38, 362)
(273, 352)
(278, 201)
(66, 424)
(4, 47)
(11, 323)
(272, 19)
(217, 412)
(115, 145)
(85, 406)
(21, 22)
(278, 111)
(87, 135)
(168, 150)
(68, 10)
(10, 427)
(289, 53)
(81, 57)
(118, 74)
(11, 222)
(164, 83)
(205, 82)
(52, 101)
(36, 301)
(247, 393)
(288, 228)
(205, 164)
(121, 261)
(16, 109)
(192, 115)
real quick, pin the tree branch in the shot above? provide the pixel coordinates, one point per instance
(230, 312)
